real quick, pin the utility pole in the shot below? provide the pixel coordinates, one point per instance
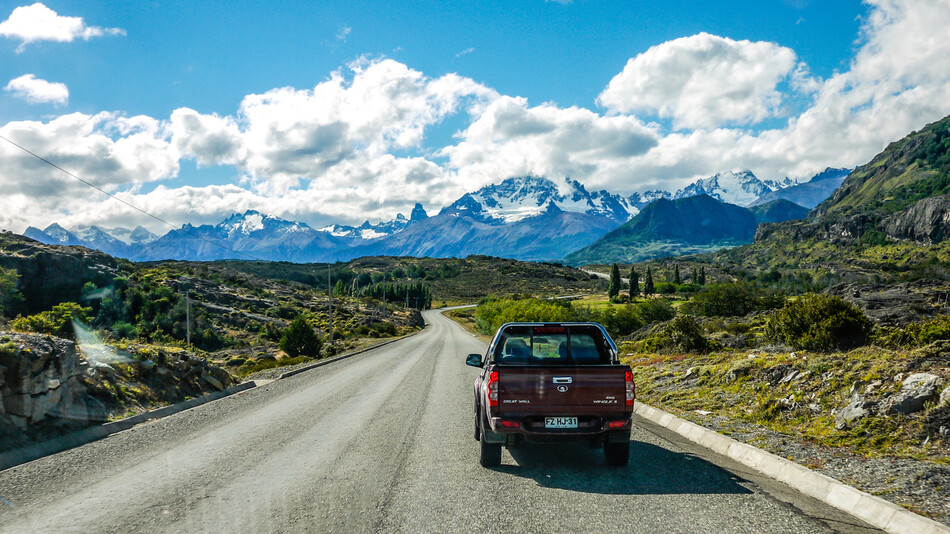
(188, 317)
(330, 295)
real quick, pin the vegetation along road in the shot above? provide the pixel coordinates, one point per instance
(383, 442)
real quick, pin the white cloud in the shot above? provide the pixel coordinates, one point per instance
(343, 33)
(108, 150)
(510, 139)
(289, 134)
(703, 81)
(465, 52)
(37, 22)
(37, 91)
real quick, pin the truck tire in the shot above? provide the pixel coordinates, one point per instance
(617, 453)
(490, 453)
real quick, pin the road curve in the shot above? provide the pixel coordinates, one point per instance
(383, 443)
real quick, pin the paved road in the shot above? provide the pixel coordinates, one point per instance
(382, 442)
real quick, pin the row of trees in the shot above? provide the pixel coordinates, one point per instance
(649, 287)
(413, 295)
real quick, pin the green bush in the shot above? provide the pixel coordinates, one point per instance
(124, 330)
(55, 322)
(9, 295)
(819, 323)
(665, 288)
(652, 310)
(682, 334)
(914, 334)
(733, 299)
(299, 339)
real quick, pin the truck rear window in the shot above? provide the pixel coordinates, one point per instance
(547, 345)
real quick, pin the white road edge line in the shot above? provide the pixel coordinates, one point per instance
(870, 509)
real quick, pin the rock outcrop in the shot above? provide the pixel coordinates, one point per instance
(51, 274)
(927, 221)
(40, 379)
(916, 390)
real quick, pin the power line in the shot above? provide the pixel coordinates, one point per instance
(136, 208)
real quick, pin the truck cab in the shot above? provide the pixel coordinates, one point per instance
(552, 382)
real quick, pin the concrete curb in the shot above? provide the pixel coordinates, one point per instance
(870, 509)
(87, 435)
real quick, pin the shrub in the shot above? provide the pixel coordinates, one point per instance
(55, 322)
(665, 288)
(124, 330)
(682, 334)
(820, 323)
(8, 291)
(734, 299)
(299, 339)
(652, 310)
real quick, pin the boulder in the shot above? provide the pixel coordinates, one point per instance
(945, 395)
(916, 390)
(212, 380)
(853, 413)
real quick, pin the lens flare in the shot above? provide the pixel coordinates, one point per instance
(90, 343)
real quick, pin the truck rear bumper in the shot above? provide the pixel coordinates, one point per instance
(532, 427)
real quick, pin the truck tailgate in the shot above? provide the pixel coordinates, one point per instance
(562, 389)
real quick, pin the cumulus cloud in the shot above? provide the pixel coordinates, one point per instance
(703, 81)
(106, 149)
(290, 134)
(36, 22)
(37, 91)
(511, 138)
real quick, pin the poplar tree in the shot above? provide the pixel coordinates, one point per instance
(634, 283)
(648, 283)
(615, 283)
(702, 275)
(676, 274)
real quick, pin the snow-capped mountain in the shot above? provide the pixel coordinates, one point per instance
(54, 234)
(740, 188)
(517, 199)
(372, 231)
(640, 200)
(810, 193)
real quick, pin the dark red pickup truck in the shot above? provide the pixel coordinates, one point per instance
(550, 382)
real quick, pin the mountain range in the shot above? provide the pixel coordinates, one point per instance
(526, 218)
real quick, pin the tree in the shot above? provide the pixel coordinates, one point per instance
(702, 275)
(8, 291)
(676, 274)
(299, 339)
(694, 278)
(648, 288)
(614, 288)
(634, 283)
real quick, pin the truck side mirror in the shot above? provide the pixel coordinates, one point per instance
(475, 360)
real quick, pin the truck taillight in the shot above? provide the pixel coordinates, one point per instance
(630, 386)
(493, 388)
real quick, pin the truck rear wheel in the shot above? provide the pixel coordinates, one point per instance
(490, 453)
(617, 453)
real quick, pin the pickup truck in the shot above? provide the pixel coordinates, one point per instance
(552, 382)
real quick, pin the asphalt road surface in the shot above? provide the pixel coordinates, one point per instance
(383, 442)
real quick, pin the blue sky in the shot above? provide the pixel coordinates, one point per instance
(342, 111)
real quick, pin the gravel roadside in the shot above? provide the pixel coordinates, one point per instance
(920, 486)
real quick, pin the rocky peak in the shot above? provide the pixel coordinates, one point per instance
(418, 213)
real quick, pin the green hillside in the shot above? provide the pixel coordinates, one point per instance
(672, 227)
(914, 168)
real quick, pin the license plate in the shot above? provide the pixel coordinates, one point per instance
(560, 422)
